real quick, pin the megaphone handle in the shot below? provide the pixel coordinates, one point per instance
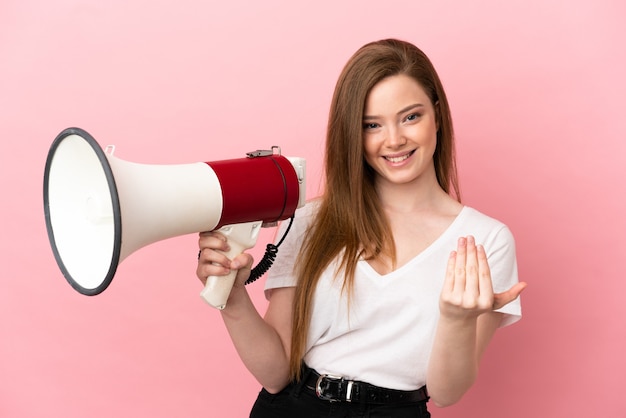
(240, 237)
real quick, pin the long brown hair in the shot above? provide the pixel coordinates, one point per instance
(350, 222)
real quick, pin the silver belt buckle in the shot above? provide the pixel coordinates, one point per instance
(320, 388)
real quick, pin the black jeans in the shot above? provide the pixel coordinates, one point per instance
(298, 400)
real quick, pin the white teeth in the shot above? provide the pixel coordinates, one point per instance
(397, 159)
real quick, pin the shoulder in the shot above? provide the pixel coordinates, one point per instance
(303, 218)
(476, 215)
(290, 236)
(309, 210)
(482, 223)
(494, 234)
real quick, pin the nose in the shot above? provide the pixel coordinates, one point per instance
(395, 137)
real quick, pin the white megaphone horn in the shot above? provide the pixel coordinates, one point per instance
(99, 209)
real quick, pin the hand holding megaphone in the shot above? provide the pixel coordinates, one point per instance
(99, 209)
(223, 246)
(239, 237)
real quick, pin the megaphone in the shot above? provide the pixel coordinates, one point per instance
(99, 209)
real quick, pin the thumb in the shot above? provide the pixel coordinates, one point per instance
(504, 298)
(242, 263)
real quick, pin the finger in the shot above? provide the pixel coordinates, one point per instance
(205, 270)
(243, 264)
(484, 272)
(213, 257)
(208, 268)
(459, 267)
(485, 285)
(241, 261)
(212, 249)
(213, 241)
(504, 298)
(212, 233)
(471, 271)
(448, 284)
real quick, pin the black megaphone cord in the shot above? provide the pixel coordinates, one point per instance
(268, 258)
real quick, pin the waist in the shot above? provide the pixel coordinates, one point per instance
(339, 389)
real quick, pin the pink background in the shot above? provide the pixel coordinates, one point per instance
(537, 91)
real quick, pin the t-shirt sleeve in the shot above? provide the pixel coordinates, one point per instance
(503, 267)
(281, 274)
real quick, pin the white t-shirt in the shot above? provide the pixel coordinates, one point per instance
(386, 335)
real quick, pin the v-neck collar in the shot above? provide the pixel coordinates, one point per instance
(363, 264)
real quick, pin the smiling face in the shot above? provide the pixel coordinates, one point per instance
(400, 131)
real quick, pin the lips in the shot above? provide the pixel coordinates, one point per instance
(398, 158)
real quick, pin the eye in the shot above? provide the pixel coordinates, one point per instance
(413, 116)
(370, 125)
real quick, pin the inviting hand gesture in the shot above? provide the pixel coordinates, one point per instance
(467, 290)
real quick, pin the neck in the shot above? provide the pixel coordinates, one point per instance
(422, 194)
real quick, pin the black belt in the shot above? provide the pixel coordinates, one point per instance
(339, 389)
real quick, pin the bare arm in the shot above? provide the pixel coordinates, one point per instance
(467, 323)
(263, 344)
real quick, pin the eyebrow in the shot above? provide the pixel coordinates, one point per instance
(406, 109)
